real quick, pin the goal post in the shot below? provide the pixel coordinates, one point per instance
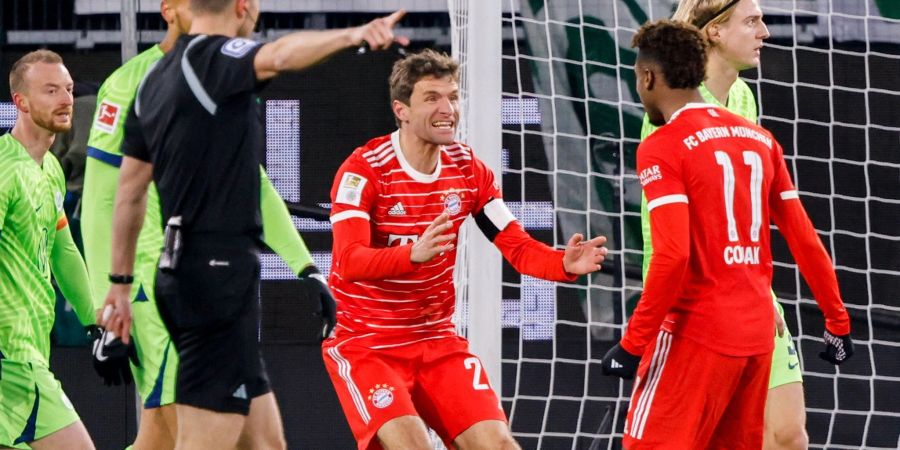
(570, 121)
(476, 45)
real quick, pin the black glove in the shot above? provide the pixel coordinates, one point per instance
(620, 363)
(316, 287)
(837, 348)
(111, 356)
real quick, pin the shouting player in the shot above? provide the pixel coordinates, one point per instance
(35, 242)
(195, 131)
(734, 32)
(396, 361)
(155, 375)
(703, 328)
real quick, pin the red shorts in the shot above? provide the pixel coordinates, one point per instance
(689, 397)
(437, 380)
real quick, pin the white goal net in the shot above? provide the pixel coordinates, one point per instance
(570, 122)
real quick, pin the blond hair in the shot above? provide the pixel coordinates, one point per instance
(17, 72)
(702, 12)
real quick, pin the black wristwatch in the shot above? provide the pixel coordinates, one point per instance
(115, 278)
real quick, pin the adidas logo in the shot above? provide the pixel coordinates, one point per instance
(397, 210)
(240, 392)
(615, 364)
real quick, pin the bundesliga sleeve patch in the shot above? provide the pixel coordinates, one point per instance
(238, 47)
(351, 189)
(107, 116)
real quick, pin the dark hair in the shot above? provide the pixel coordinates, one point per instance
(209, 6)
(677, 48)
(17, 72)
(408, 71)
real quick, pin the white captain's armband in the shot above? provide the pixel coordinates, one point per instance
(790, 195)
(351, 189)
(493, 218)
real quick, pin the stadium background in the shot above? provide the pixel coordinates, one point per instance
(315, 118)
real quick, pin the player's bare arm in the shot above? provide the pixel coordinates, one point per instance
(306, 48)
(433, 241)
(582, 256)
(128, 216)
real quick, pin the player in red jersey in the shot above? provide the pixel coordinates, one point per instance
(396, 360)
(703, 329)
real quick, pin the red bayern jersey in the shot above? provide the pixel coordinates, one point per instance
(380, 206)
(728, 171)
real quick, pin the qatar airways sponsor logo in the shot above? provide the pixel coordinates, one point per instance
(741, 254)
(650, 175)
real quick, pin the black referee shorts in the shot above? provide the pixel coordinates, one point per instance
(210, 306)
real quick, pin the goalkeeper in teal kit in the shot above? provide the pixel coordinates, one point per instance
(157, 358)
(35, 242)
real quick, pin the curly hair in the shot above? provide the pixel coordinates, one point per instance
(677, 48)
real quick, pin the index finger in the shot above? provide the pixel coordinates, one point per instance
(438, 221)
(597, 241)
(395, 17)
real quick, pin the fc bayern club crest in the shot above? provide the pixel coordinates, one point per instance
(452, 203)
(382, 395)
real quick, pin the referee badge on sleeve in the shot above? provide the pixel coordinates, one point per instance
(238, 47)
(350, 191)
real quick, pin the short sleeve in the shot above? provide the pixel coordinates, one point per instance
(660, 174)
(133, 143)
(354, 190)
(226, 67)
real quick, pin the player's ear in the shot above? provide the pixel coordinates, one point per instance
(712, 33)
(21, 102)
(647, 79)
(165, 11)
(401, 110)
(241, 7)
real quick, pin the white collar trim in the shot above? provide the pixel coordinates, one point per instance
(691, 106)
(404, 164)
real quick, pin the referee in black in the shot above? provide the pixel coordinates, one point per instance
(196, 131)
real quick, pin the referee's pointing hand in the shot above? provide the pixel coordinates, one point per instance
(379, 33)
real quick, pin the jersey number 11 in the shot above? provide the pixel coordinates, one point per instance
(753, 160)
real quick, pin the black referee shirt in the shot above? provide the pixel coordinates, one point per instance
(196, 118)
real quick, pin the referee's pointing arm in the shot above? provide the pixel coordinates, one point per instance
(305, 48)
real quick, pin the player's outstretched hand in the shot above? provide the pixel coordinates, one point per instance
(837, 348)
(433, 241)
(116, 313)
(316, 288)
(620, 363)
(379, 33)
(584, 256)
(111, 356)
